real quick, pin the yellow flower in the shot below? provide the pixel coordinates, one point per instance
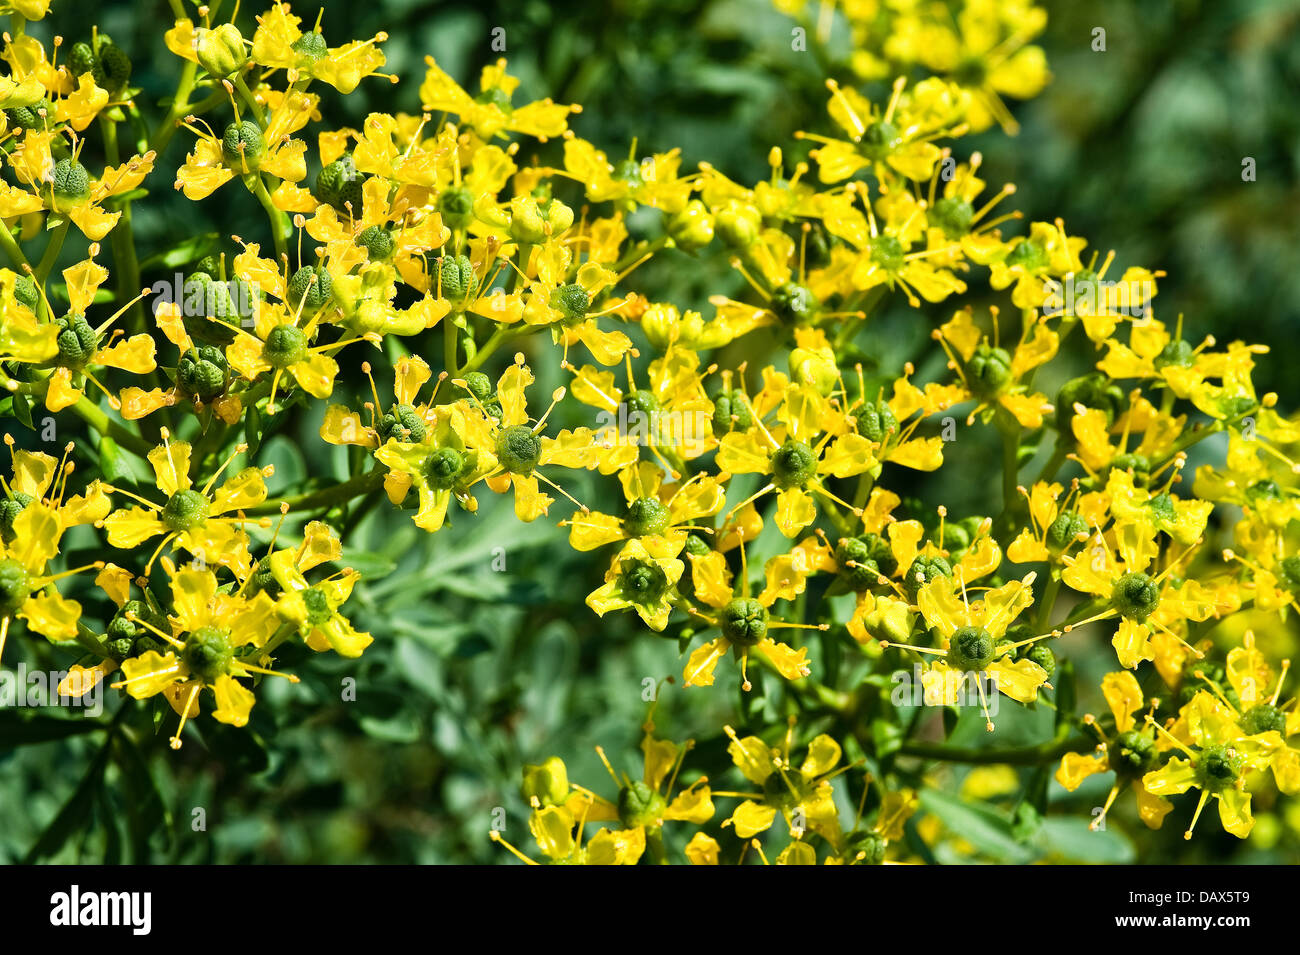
(25, 590)
(314, 608)
(745, 623)
(279, 43)
(653, 510)
(1130, 753)
(217, 627)
(971, 636)
(491, 114)
(207, 522)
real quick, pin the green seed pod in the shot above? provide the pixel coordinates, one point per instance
(1065, 530)
(25, 291)
(696, 546)
(311, 47)
(456, 206)
(116, 66)
(285, 345)
(691, 228)
(124, 632)
(952, 215)
(1093, 390)
(875, 421)
(15, 588)
(547, 783)
(1028, 254)
(880, 139)
(77, 341)
(643, 581)
(1041, 654)
(340, 185)
(221, 50)
(1135, 596)
(1264, 718)
(263, 579)
(1177, 354)
(82, 60)
(1219, 767)
(731, 413)
(646, 516)
(203, 373)
(572, 301)
(71, 183)
(888, 253)
(989, 369)
(793, 302)
(518, 449)
(479, 385)
(243, 147)
(1133, 754)
(207, 653)
(869, 845)
(311, 288)
(318, 606)
(184, 510)
(743, 621)
(443, 468)
(456, 281)
(970, 649)
(378, 243)
(10, 508)
(923, 570)
(1139, 464)
(403, 423)
(37, 116)
(857, 566)
(793, 464)
(639, 805)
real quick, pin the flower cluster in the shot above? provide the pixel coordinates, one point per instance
(764, 511)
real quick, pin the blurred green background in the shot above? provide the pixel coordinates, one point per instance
(476, 671)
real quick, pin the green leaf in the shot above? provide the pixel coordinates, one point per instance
(1068, 839)
(113, 463)
(146, 813)
(75, 814)
(22, 409)
(184, 253)
(982, 826)
(21, 727)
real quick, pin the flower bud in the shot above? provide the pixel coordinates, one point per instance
(738, 226)
(691, 228)
(534, 222)
(243, 147)
(548, 783)
(455, 280)
(339, 185)
(816, 368)
(221, 50)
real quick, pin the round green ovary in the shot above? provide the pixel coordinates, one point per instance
(645, 516)
(443, 467)
(518, 449)
(743, 621)
(971, 649)
(15, 587)
(285, 345)
(793, 464)
(1135, 596)
(207, 653)
(184, 511)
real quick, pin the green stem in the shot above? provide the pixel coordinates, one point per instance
(12, 249)
(122, 240)
(326, 497)
(1015, 755)
(94, 416)
(251, 100)
(280, 227)
(52, 250)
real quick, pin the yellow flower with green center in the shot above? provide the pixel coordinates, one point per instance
(744, 622)
(1130, 752)
(1217, 766)
(810, 443)
(802, 793)
(26, 587)
(973, 644)
(314, 608)
(280, 44)
(653, 510)
(216, 639)
(491, 113)
(206, 522)
(643, 577)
